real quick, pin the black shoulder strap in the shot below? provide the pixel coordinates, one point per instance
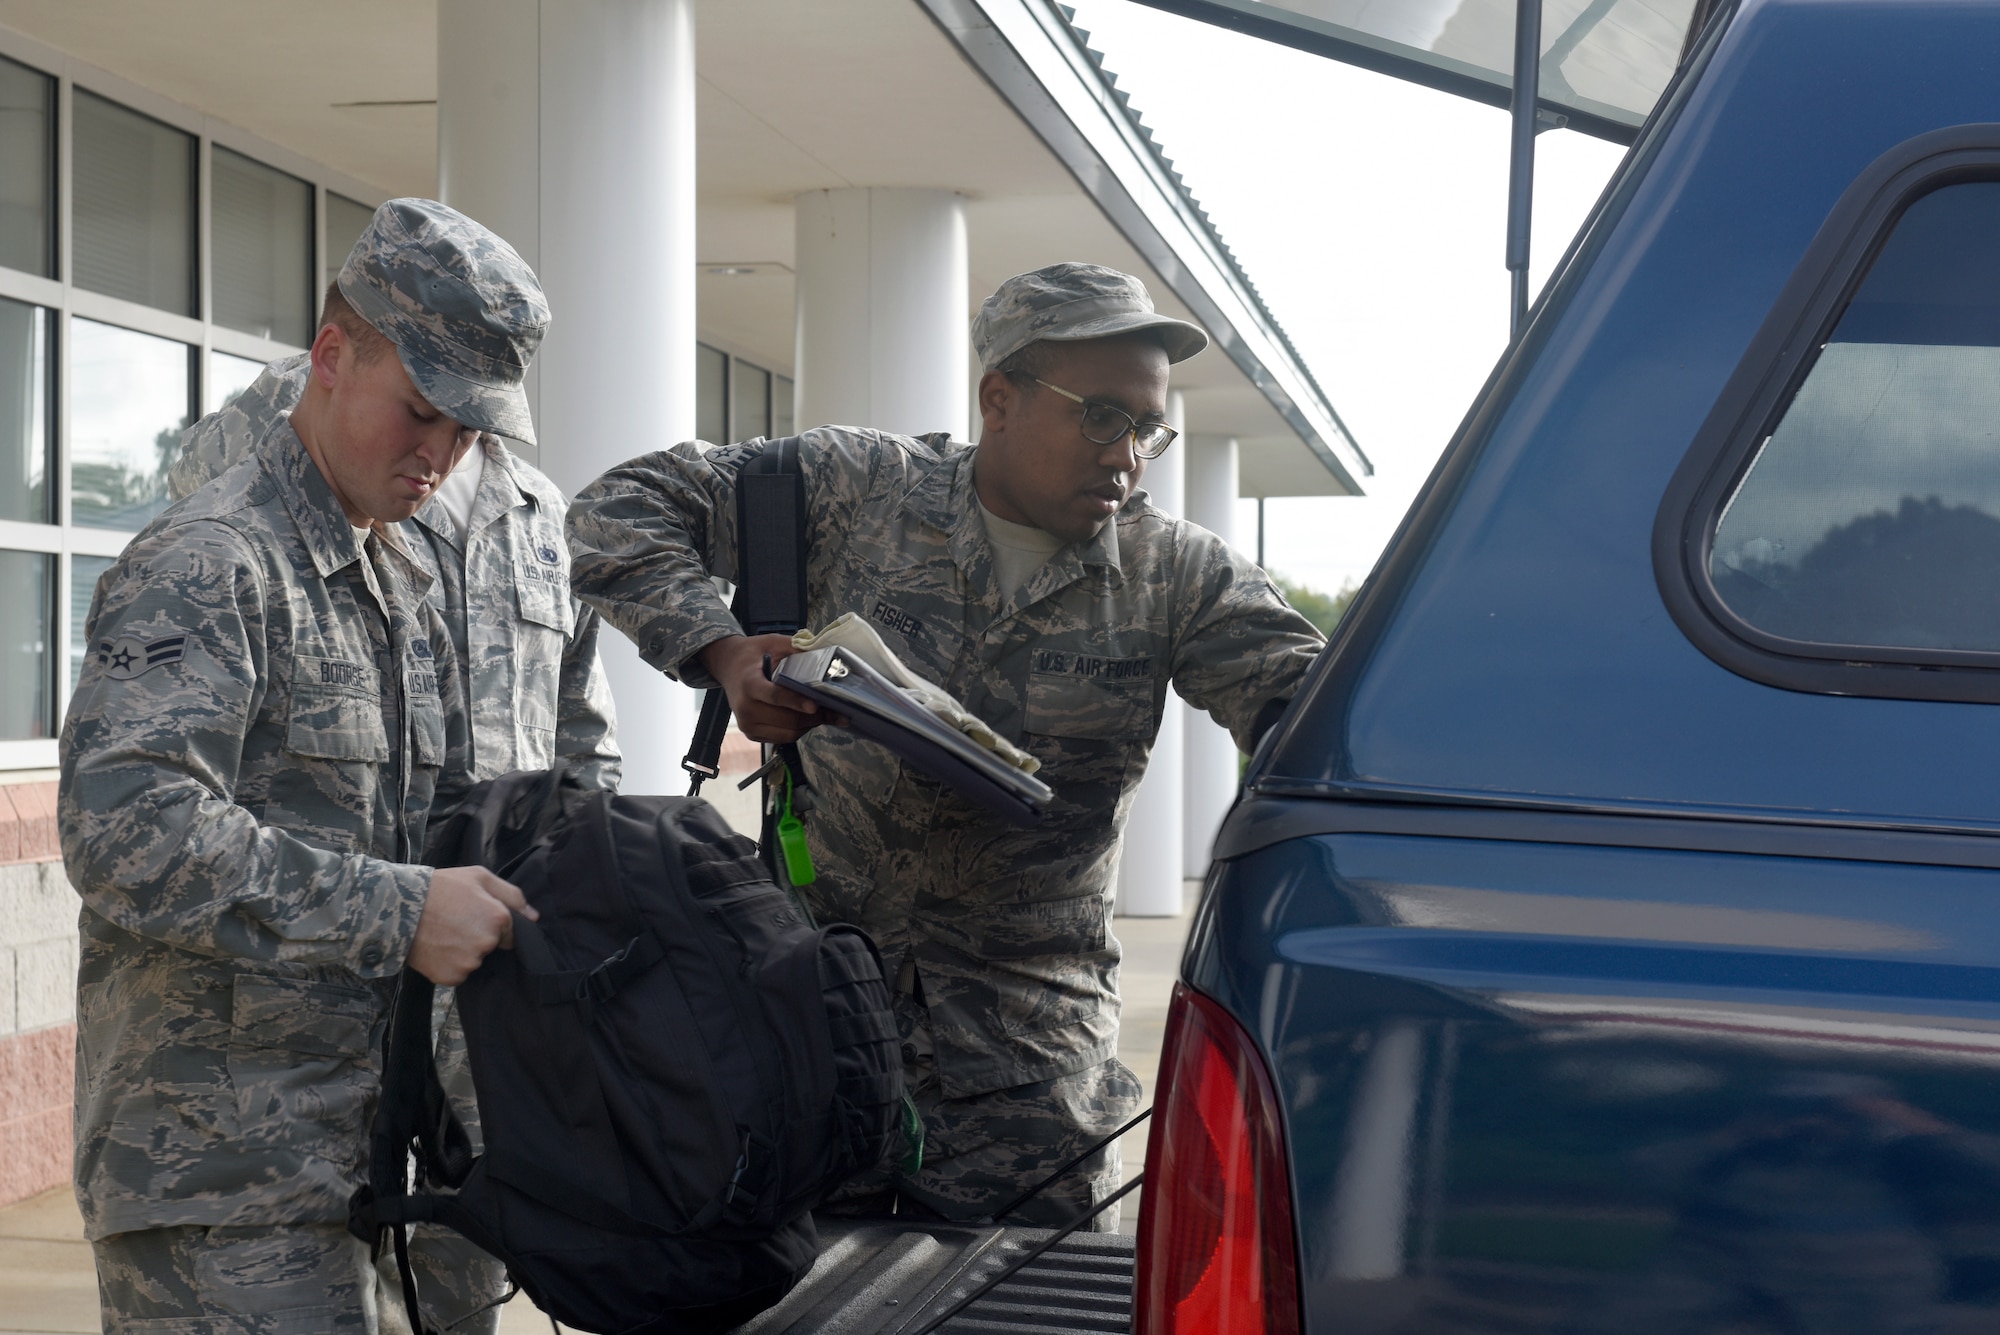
(771, 540)
(412, 1110)
(770, 578)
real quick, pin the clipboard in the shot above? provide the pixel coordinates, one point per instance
(883, 712)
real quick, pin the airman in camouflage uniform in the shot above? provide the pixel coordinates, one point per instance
(269, 712)
(999, 936)
(535, 689)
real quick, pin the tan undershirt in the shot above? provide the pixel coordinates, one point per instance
(1018, 550)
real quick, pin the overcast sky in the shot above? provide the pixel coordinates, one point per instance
(1371, 214)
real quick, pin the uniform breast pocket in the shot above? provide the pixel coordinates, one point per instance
(541, 595)
(1067, 704)
(301, 1060)
(426, 717)
(336, 712)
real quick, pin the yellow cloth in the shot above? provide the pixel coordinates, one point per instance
(848, 631)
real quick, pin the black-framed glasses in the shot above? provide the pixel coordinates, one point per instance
(1105, 425)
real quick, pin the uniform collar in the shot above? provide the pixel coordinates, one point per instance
(500, 490)
(322, 524)
(946, 499)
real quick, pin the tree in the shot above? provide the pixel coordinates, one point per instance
(1323, 610)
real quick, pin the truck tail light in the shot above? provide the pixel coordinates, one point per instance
(1216, 1252)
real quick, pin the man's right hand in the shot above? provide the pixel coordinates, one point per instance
(765, 711)
(466, 917)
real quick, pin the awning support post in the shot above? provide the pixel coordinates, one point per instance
(1521, 154)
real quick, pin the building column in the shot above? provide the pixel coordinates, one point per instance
(882, 324)
(1211, 755)
(567, 126)
(1150, 865)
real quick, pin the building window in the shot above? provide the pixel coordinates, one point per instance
(27, 170)
(84, 572)
(711, 395)
(1870, 515)
(27, 437)
(27, 697)
(781, 406)
(749, 400)
(133, 199)
(261, 225)
(227, 377)
(345, 221)
(130, 396)
(738, 400)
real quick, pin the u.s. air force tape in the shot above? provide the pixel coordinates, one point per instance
(127, 656)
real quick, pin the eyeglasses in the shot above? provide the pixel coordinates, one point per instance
(1105, 425)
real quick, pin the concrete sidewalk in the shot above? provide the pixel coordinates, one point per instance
(48, 1286)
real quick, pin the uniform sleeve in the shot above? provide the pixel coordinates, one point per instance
(648, 538)
(586, 720)
(151, 750)
(1238, 645)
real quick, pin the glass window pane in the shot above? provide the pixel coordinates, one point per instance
(27, 169)
(750, 401)
(227, 377)
(27, 705)
(84, 572)
(711, 389)
(262, 248)
(128, 401)
(24, 413)
(345, 220)
(781, 406)
(1871, 516)
(133, 199)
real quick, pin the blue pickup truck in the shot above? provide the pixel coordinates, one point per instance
(1609, 939)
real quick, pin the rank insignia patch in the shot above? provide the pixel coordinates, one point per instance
(125, 657)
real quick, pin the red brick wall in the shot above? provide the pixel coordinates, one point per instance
(36, 1071)
(37, 1044)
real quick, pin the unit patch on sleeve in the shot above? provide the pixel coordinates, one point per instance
(127, 657)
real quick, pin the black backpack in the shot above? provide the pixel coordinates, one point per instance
(673, 1067)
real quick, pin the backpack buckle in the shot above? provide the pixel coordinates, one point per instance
(601, 984)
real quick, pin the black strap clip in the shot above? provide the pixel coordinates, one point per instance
(601, 983)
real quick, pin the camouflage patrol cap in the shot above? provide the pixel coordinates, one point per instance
(465, 312)
(1070, 302)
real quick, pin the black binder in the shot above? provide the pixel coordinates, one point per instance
(884, 712)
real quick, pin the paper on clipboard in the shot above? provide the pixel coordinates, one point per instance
(883, 712)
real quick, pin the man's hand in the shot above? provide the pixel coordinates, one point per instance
(465, 918)
(765, 712)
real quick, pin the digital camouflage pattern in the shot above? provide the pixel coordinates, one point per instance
(241, 823)
(1066, 302)
(982, 1151)
(535, 689)
(465, 312)
(307, 1280)
(1005, 931)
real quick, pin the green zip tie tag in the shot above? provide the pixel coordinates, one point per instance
(913, 1139)
(792, 841)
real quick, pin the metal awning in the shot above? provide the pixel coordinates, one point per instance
(1604, 63)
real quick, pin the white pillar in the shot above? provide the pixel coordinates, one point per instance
(1210, 785)
(567, 126)
(1150, 867)
(882, 325)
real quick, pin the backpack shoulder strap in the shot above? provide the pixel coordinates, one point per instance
(771, 550)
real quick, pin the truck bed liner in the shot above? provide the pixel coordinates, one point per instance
(890, 1276)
